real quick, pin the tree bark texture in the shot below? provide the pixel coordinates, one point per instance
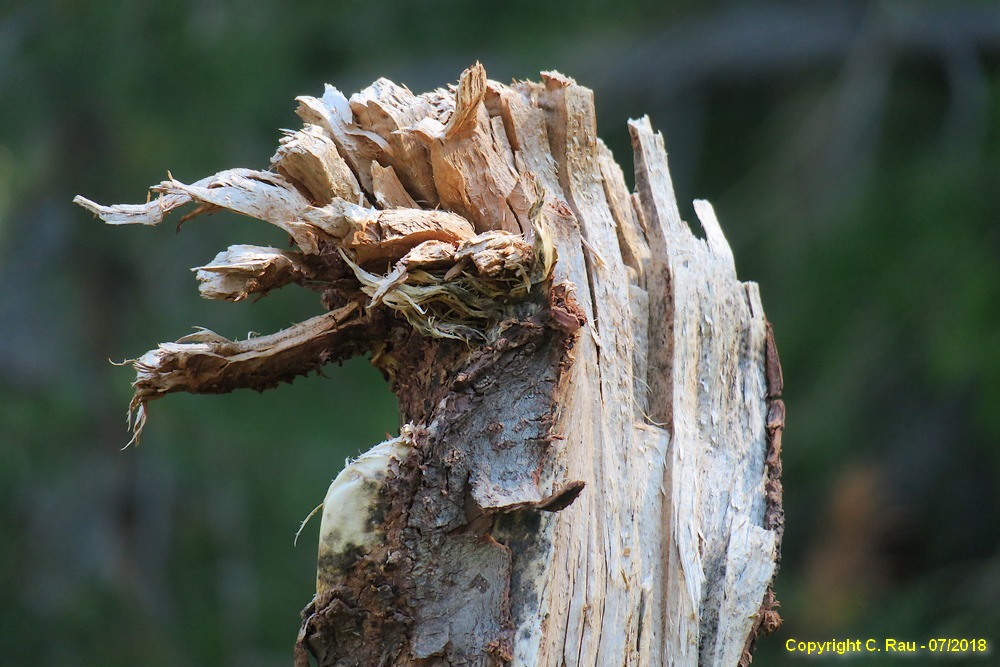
(588, 467)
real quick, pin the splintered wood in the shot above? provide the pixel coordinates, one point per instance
(589, 471)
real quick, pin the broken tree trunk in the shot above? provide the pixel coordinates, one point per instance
(587, 471)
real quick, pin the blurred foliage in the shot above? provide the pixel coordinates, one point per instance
(852, 152)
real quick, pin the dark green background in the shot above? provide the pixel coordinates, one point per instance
(851, 150)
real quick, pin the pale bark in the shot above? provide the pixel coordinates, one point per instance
(589, 467)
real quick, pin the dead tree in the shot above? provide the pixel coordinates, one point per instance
(587, 470)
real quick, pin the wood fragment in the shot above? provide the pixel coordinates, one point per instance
(717, 339)
(309, 158)
(262, 195)
(390, 234)
(631, 238)
(386, 110)
(388, 189)
(242, 270)
(471, 174)
(333, 113)
(495, 253)
(206, 363)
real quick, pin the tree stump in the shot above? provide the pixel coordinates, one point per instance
(587, 471)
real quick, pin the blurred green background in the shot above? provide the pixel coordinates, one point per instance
(851, 150)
